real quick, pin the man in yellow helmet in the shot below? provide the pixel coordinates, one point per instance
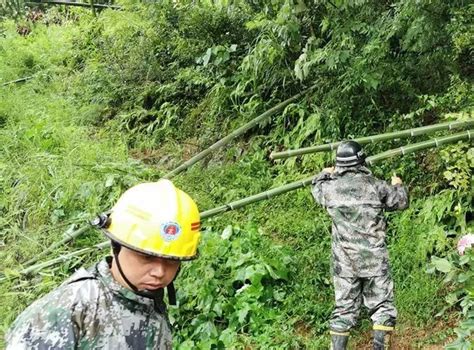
(118, 303)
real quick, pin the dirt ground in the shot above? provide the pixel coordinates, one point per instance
(409, 338)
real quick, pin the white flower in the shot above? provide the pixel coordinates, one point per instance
(465, 242)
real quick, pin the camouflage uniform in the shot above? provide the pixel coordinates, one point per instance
(92, 311)
(355, 200)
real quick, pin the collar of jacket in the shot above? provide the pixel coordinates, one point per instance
(358, 169)
(103, 273)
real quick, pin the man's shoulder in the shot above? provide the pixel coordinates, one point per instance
(84, 286)
(321, 177)
(73, 296)
(75, 290)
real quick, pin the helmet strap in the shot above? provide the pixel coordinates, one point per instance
(171, 290)
(116, 249)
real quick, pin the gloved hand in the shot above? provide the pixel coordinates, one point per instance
(396, 180)
(329, 170)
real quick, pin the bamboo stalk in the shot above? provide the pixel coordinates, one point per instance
(66, 239)
(437, 142)
(433, 143)
(17, 80)
(93, 8)
(68, 3)
(55, 245)
(60, 259)
(375, 138)
(244, 128)
(257, 197)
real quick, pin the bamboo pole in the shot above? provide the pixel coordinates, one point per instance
(55, 245)
(93, 8)
(66, 239)
(244, 128)
(17, 80)
(69, 3)
(433, 143)
(375, 138)
(60, 259)
(257, 197)
(437, 142)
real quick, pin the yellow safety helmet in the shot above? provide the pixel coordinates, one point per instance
(156, 219)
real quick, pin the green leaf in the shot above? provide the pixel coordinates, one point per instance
(463, 277)
(324, 24)
(207, 57)
(109, 182)
(464, 259)
(217, 309)
(298, 71)
(228, 337)
(227, 232)
(451, 298)
(279, 295)
(442, 264)
(242, 313)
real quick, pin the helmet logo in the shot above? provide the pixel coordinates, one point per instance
(170, 231)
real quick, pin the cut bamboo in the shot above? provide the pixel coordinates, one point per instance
(70, 3)
(437, 142)
(67, 238)
(433, 143)
(17, 81)
(376, 138)
(63, 258)
(257, 197)
(192, 161)
(244, 128)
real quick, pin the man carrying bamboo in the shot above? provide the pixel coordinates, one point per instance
(118, 303)
(356, 200)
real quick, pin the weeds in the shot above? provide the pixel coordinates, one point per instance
(162, 81)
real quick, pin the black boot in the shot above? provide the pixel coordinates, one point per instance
(339, 340)
(382, 339)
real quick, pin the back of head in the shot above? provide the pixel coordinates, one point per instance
(349, 153)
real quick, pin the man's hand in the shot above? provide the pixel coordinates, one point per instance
(329, 170)
(396, 180)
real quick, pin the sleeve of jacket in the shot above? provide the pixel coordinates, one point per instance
(52, 322)
(393, 197)
(317, 187)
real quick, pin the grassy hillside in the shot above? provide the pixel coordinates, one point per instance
(125, 96)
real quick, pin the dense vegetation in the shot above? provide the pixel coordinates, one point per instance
(120, 97)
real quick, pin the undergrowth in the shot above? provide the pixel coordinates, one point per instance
(122, 97)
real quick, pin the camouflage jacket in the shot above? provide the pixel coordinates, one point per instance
(355, 200)
(91, 311)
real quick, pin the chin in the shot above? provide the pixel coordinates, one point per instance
(152, 287)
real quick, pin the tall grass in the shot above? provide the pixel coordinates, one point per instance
(145, 84)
